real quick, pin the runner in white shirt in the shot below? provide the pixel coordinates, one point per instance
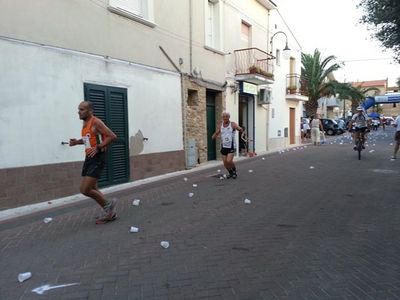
(228, 144)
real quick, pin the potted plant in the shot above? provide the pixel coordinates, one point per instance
(254, 69)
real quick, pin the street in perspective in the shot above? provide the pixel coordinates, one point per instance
(199, 149)
(305, 222)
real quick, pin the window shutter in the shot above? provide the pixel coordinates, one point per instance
(110, 105)
(118, 122)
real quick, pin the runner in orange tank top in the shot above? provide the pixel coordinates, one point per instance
(96, 136)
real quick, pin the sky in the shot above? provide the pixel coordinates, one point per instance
(333, 27)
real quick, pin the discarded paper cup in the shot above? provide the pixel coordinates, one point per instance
(134, 229)
(194, 185)
(247, 201)
(47, 220)
(191, 195)
(136, 202)
(250, 171)
(164, 244)
(24, 276)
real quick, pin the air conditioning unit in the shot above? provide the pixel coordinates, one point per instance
(264, 96)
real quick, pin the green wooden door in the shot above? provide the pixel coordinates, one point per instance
(211, 145)
(110, 105)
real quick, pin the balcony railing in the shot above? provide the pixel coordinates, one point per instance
(295, 86)
(254, 61)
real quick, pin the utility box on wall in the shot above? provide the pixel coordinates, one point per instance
(191, 156)
(286, 132)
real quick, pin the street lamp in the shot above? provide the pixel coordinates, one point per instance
(286, 50)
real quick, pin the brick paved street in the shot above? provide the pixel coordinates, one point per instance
(328, 232)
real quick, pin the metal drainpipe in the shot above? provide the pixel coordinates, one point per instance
(268, 105)
(190, 37)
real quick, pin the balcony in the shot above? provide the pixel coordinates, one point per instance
(295, 88)
(254, 65)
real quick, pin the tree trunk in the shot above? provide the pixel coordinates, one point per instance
(311, 107)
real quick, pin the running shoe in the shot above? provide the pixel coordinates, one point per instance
(110, 214)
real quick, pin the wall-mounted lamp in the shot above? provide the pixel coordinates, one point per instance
(286, 50)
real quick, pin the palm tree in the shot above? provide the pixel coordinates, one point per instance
(315, 72)
(358, 94)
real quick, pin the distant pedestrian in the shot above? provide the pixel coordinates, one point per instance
(243, 142)
(96, 136)
(316, 129)
(227, 132)
(396, 137)
(306, 128)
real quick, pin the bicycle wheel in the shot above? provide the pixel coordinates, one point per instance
(359, 148)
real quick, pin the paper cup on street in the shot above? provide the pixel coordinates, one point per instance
(134, 229)
(47, 220)
(136, 202)
(24, 276)
(164, 244)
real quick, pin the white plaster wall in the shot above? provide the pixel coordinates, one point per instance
(89, 26)
(41, 88)
(279, 104)
(261, 128)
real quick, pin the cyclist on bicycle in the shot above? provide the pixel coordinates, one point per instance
(359, 122)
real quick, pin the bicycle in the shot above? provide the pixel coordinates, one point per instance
(359, 141)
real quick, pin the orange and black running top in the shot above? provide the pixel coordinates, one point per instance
(89, 137)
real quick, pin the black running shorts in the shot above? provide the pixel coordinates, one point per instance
(93, 166)
(225, 151)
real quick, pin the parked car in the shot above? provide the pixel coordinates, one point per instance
(330, 126)
(341, 126)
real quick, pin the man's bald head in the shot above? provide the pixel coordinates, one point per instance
(85, 110)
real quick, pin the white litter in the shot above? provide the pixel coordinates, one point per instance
(194, 185)
(250, 171)
(263, 158)
(247, 201)
(311, 167)
(219, 171)
(136, 202)
(24, 276)
(41, 289)
(191, 195)
(134, 229)
(185, 179)
(225, 176)
(370, 151)
(221, 177)
(47, 220)
(164, 244)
